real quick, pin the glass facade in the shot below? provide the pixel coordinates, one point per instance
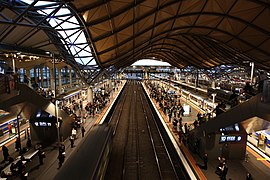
(41, 77)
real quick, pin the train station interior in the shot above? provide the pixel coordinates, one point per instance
(134, 89)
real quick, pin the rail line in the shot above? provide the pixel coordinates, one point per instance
(159, 147)
(138, 150)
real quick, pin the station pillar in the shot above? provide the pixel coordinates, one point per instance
(51, 78)
(59, 81)
(35, 75)
(146, 75)
(90, 95)
(41, 76)
(27, 71)
(196, 79)
(77, 79)
(70, 76)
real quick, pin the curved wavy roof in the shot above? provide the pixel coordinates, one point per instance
(202, 33)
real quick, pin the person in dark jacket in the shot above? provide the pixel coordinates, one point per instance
(71, 139)
(41, 155)
(249, 176)
(83, 131)
(61, 158)
(17, 145)
(29, 143)
(5, 152)
(205, 160)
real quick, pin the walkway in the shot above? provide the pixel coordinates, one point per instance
(237, 169)
(49, 169)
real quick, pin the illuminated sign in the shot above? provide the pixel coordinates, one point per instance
(43, 124)
(228, 138)
(234, 127)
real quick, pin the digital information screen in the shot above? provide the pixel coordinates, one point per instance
(43, 124)
(228, 138)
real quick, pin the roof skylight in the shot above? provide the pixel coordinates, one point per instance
(69, 30)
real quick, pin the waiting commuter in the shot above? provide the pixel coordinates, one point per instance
(17, 145)
(29, 143)
(199, 116)
(62, 148)
(170, 115)
(224, 171)
(25, 79)
(21, 169)
(41, 155)
(175, 122)
(83, 131)
(61, 158)
(74, 132)
(195, 123)
(205, 160)
(5, 152)
(71, 139)
(186, 128)
(249, 177)
(10, 129)
(180, 135)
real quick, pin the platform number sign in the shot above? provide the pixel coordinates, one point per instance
(229, 138)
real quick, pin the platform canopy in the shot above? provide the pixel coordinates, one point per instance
(199, 33)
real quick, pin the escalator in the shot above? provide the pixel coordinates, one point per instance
(253, 114)
(26, 102)
(226, 134)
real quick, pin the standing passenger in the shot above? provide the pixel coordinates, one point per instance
(83, 131)
(17, 144)
(205, 160)
(5, 152)
(73, 133)
(71, 138)
(61, 158)
(41, 155)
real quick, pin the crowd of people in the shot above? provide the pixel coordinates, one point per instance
(47, 93)
(75, 109)
(172, 107)
(100, 100)
(17, 168)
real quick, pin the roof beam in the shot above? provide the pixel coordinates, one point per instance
(115, 13)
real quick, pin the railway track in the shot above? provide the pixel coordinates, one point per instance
(139, 150)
